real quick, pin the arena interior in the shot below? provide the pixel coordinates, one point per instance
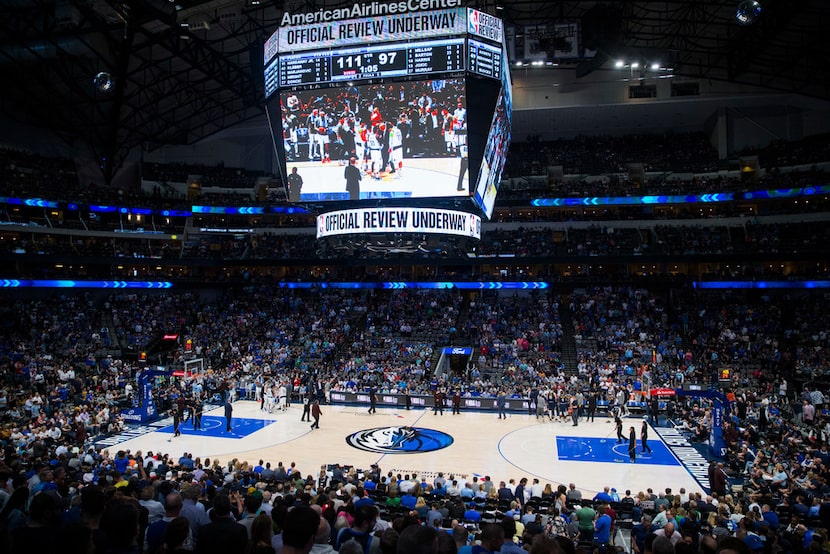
(633, 357)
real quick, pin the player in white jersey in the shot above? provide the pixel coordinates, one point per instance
(396, 150)
(360, 137)
(449, 133)
(323, 136)
(283, 397)
(375, 155)
(317, 135)
(269, 399)
(459, 123)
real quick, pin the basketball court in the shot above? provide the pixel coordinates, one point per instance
(417, 441)
(420, 178)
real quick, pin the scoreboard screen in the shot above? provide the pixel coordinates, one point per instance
(484, 59)
(398, 140)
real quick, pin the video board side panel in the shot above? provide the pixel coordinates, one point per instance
(494, 156)
(483, 94)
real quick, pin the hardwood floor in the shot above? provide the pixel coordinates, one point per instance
(481, 444)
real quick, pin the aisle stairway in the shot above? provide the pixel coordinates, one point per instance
(568, 336)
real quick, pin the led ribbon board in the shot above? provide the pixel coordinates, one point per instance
(398, 220)
(71, 284)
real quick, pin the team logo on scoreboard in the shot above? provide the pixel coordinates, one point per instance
(399, 440)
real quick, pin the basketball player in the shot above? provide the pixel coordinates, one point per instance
(283, 397)
(269, 399)
(396, 150)
(375, 157)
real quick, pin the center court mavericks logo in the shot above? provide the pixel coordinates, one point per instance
(399, 440)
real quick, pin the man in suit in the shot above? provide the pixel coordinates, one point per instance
(353, 178)
(228, 415)
(295, 185)
(198, 408)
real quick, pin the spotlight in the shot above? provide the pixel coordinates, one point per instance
(619, 64)
(748, 12)
(635, 65)
(103, 82)
(655, 66)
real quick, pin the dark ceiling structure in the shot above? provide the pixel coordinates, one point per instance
(183, 70)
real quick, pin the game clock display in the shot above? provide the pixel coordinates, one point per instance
(370, 62)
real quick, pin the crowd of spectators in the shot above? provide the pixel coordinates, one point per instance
(206, 175)
(611, 184)
(526, 241)
(782, 153)
(520, 336)
(676, 164)
(58, 392)
(26, 174)
(593, 155)
(624, 325)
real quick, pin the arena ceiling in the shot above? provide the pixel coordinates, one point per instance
(183, 70)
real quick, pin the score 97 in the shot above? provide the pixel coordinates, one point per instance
(387, 58)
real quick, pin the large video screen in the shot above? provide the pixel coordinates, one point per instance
(375, 141)
(495, 150)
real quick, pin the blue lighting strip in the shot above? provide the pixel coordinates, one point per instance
(654, 200)
(136, 211)
(33, 202)
(633, 200)
(95, 208)
(176, 213)
(761, 284)
(66, 284)
(681, 199)
(396, 285)
(254, 210)
(227, 210)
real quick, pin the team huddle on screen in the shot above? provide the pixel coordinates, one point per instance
(377, 125)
